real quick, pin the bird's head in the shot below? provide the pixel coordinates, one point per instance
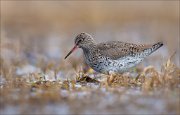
(82, 40)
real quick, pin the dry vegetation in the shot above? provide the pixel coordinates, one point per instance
(83, 92)
(35, 79)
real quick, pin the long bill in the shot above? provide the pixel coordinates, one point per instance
(73, 49)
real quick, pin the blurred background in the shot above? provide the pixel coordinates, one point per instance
(33, 29)
(37, 35)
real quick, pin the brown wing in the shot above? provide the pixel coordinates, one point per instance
(116, 49)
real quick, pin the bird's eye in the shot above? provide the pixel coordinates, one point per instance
(80, 41)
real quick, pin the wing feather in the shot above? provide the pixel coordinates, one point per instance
(117, 49)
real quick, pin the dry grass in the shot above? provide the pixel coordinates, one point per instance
(35, 79)
(22, 90)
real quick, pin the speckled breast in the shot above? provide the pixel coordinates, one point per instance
(106, 65)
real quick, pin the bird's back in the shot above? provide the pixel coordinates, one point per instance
(116, 49)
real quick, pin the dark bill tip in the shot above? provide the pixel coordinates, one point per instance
(73, 49)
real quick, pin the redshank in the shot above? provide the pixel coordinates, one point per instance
(113, 56)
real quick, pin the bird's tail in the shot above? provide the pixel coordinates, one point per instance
(156, 46)
(151, 49)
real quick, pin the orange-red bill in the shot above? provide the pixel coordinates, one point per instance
(73, 49)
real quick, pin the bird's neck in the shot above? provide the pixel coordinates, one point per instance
(88, 52)
(89, 47)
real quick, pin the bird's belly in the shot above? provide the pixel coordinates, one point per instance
(128, 62)
(117, 66)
